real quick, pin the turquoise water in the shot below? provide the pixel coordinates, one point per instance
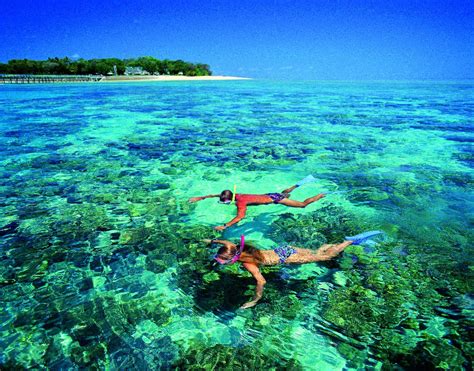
(101, 260)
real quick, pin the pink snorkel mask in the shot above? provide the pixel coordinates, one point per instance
(236, 256)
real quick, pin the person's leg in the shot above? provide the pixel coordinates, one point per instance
(332, 251)
(288, 190)
(302, 256)
(325, 247)
(301, 204)
(325, 252)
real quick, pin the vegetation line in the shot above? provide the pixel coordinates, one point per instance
(105, 66)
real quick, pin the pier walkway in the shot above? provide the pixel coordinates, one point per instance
(45, 79)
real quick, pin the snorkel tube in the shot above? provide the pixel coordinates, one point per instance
(237, 256)
(233, 194)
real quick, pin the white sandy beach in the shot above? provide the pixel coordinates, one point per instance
(170, 78)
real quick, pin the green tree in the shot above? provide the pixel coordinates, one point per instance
(149, 64)
(65, 66)
(203, 70)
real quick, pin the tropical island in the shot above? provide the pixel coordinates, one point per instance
(105, 69)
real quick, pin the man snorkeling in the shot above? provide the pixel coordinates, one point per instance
(243, 200)
(251, 258)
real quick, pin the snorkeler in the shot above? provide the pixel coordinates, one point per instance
(251, 257)
(242, 200)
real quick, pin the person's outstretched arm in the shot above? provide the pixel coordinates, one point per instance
(241, 209)
(255, 272)
(222, 242)
(200, 198)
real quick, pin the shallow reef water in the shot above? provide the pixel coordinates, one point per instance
(102, 260)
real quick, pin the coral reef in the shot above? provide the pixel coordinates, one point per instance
(102, 260)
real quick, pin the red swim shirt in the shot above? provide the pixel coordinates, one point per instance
(242, 200)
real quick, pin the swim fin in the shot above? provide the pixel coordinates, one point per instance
(308, 179)
(362, 237)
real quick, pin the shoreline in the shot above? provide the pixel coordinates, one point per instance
(170, 78)
(7, 79)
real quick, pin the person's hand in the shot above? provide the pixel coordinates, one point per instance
(220, 227)
(195, 199)
(321, 195)
(250, 304)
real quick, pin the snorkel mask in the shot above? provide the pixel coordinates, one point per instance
(228, 202)
(235, 257)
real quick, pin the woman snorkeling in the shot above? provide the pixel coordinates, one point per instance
(251, 258)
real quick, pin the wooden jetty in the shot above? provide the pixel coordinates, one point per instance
(48, 79)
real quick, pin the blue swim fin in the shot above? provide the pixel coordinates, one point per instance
(308, 179)
(362, 237)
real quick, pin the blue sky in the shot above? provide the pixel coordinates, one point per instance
(301, 39)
